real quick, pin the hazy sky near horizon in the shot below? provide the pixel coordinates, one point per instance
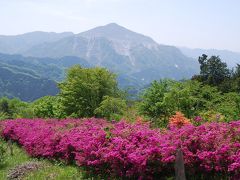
(191, 23)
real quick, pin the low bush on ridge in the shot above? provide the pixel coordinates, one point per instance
(131, 150)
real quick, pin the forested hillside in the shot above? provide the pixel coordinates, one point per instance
(51, 70)
(24, 84)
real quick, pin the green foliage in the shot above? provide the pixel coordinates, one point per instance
(192, 98)
(2, 153)
(4, 106)
(3, 116)
(234, 83)
(48, 107)
(180, 98)
(20, 109)
(4, 109)
(211, 116)
(44, 107)
(229, 106)
(14, 108)
(84, 88)
(111, 108)
(213, 70)
(153, 104)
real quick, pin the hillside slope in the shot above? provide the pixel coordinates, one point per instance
(122, 51)
(38, 71)
(26, 86)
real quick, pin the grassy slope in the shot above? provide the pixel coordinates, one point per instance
(49, 171)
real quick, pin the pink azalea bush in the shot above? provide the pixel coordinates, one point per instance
(128, 150)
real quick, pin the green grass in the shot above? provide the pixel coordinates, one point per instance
(52, 172)
(49, 171)
(19, 157)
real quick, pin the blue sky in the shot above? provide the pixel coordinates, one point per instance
(190, 23)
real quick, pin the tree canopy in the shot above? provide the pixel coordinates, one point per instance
(111, 108)
(84, 88)
(212, 70)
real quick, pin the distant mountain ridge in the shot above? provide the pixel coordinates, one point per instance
(114, 32)
(230, 57)
(18, 44)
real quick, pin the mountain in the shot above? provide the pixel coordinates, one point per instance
(118, 33)
(122, 51)
(135, 58)
(230, 57)
(20, 43)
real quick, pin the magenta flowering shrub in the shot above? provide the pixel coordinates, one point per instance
(209, 148)
(131, 150)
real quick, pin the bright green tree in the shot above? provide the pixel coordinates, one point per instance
(212, 70)
(4, 106)
(153, 104)
(84, 88)
(111, 108)
(229, 106)
(13, 108)
(44, 107)
(181, 97)
(20, 109)
(192, 97)
(164, 98)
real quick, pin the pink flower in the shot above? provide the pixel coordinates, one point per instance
(130, 150)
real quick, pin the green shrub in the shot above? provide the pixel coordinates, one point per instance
(111, 108)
